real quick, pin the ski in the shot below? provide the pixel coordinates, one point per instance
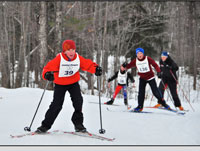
(105, 104)
(125, 110)
(128, 106)
(32, 133)
(89, 135)
(171, 110)
(85, 134)
(132, 111)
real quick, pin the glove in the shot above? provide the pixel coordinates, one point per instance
(49, 76)
(98, 71)
(124, 64)
(159, 74)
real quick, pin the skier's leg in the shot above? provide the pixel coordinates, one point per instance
(173, 90)
(55, 106)
(141, 95)
(162, 87)
(125, 95)
(77, 100)
(117, 90)
(157, 93)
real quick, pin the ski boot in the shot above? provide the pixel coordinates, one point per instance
(80, 128)
(157, 105)
(181, 108)
(166, 106)
(109, 102)
(138, 109)
(41, 129)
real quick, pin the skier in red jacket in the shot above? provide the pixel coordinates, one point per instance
(63, 70)
(143, 64)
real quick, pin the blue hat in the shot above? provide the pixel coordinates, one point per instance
(165, 53)
(139, 50)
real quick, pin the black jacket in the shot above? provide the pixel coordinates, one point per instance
(129, 76)
(167, 68)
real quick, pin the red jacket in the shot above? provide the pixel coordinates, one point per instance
(147, 75)
(54, 65)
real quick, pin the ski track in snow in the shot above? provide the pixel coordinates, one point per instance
(18, 106)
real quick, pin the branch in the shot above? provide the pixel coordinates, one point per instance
(32, 51)
(87, 81)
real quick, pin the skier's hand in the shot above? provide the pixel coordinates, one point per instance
(159, 74)
(49, 76)
(98, 71)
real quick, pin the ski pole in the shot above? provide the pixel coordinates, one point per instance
(181, 90)
(29, 128)
(101, 131)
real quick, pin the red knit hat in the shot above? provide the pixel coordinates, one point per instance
(68, 44)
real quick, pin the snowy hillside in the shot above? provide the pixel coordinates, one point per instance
(17, 107)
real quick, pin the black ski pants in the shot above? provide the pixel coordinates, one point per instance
(173, 90)
(154, 89)
(58, 99)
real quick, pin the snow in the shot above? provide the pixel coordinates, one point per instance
(17, 107)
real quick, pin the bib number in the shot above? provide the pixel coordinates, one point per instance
(143, 69)
(122, 81)
(68, 73)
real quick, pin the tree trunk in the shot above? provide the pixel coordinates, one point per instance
(58, 26)
(5, 49)
(105, 52)
(43, 37)
(23, 44)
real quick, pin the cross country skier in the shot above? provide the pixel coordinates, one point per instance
(63, 70)
(143, 64)
(122, 79)
(167, 65)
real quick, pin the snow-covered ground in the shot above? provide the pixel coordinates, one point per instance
(17, 107)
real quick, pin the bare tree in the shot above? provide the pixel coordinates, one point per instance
(58, 25)
(43, 35)
(5, 47)
(23, 44)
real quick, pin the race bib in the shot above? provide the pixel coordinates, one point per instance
(68, 68)
(122, 78)
(143, 66)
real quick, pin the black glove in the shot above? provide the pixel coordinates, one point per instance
(124, 64)
(159, 74)
(49, 76)
(98, 71)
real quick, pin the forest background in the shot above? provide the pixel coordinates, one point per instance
(32, 34)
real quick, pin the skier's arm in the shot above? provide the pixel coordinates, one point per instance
(87, 65)
(131, 64)
(52, 66)
(174, 66)
(113, 77)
